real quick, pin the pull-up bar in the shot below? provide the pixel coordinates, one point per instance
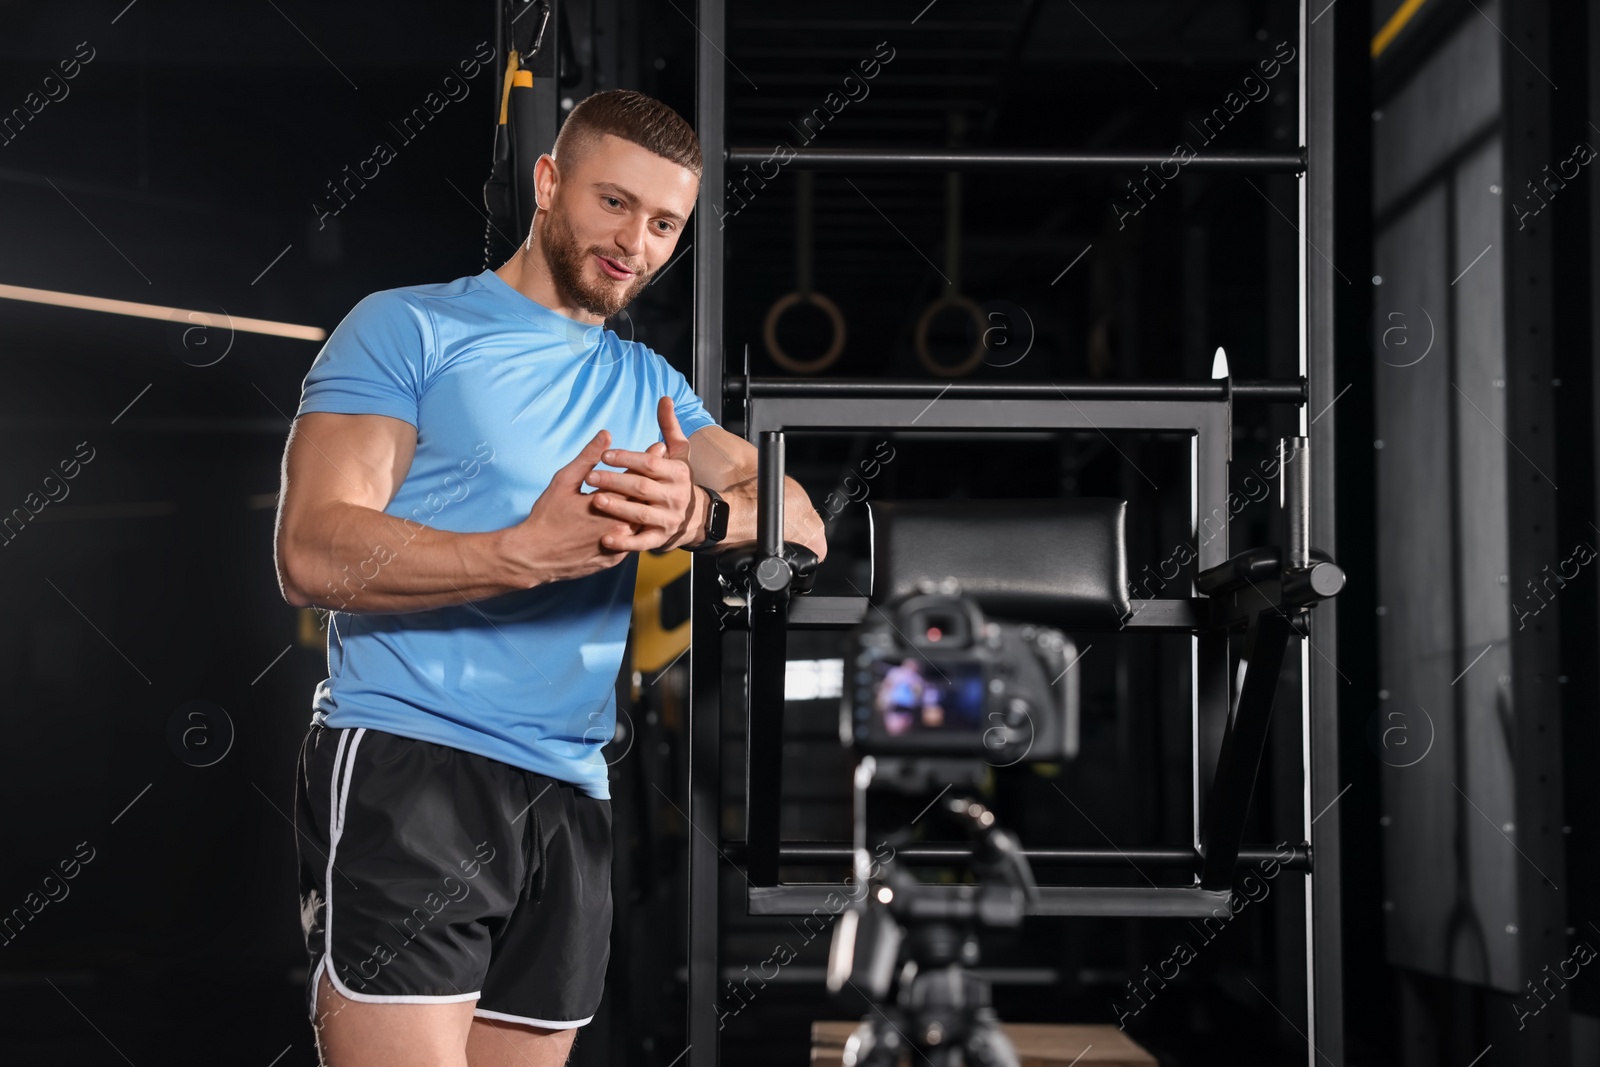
(1295, 857)
(1274, 391)
(976, 159)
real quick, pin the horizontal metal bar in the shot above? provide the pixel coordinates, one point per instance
(941, 80)
(978, 159)
(849, 414)
(843, 612)
(1081, 53)
(1286, 391)
(832, 25)
(822, 852)
(1100, 901)
(801, 51)
(822, 612)
(1186, 616)
(792, 104)
(801, 975)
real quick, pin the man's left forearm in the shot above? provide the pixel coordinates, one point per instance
(801, 523)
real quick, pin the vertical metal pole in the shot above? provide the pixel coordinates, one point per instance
(705, 655)
(769, 490)
(766, 645)
(710, 123)
(491, 102)
(1295, 500)
(1319, 678)
(1210, 454)
(1544, 903)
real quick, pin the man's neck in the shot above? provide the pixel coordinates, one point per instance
(528, 273)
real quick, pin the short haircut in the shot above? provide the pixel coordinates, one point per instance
(632, 116)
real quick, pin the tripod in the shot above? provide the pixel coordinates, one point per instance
(942, 1010)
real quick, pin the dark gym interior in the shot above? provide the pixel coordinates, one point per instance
(1045, 251)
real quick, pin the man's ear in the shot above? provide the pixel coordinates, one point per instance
(546, 176)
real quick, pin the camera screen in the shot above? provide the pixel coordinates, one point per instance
(917, 696)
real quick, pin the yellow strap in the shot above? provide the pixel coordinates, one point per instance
(523, 79)
(1396, 23)
(505, 93)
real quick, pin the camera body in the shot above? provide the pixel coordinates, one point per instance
(931, 676)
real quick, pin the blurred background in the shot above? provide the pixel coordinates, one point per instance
(194, 162)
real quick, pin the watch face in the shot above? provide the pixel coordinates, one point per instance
(717, 527)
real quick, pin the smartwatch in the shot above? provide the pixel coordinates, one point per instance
(716, 522)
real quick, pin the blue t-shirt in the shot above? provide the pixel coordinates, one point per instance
(503, 392)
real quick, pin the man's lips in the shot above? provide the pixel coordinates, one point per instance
(614, 269)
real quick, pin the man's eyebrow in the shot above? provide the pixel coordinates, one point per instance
(613, 187)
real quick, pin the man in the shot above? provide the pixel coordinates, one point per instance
(472, 469)
(901, 695)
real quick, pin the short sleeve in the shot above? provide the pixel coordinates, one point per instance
(373, 362)
(686, 403)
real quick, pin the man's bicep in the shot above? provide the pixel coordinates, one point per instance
(355, 459)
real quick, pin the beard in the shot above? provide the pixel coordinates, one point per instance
(568, 265)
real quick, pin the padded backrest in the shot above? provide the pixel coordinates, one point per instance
(1056, 562)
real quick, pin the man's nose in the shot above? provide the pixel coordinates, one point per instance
(630, 240)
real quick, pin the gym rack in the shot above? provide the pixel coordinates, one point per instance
(1202, 410)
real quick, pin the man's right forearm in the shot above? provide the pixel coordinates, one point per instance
(346, 557)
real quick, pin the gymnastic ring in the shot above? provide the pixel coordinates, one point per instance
(769, 331)
(978, 349)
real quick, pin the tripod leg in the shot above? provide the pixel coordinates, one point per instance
(988, 1046)
(875, 1043)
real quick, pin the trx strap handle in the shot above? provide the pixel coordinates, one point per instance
(501, 197)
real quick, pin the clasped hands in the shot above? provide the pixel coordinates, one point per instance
(654, 494)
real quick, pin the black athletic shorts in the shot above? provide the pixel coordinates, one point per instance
(430, 875)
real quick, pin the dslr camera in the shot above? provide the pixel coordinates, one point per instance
(931, 676)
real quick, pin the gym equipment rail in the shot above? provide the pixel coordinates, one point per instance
(1201, 409)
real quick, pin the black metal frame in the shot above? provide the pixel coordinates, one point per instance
(1531, 389)
(979, 159)
(1318, 422)
(865, 405)
(1202, 410)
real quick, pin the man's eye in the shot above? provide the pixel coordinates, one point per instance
(613, 200)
